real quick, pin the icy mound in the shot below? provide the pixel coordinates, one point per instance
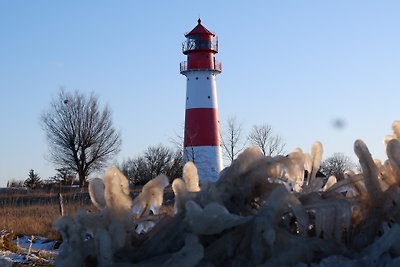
(261, 212)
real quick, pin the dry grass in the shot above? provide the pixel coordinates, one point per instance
(33, 213)
(35, 219)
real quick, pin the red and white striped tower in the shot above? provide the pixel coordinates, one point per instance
(201, 136)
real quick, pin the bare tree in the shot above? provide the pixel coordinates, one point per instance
(177, 139)
(157, 158)
(154, 161)
(80, 134)
(262, 137)
(187, 153)
(232, 139)
(175, 166)
(135, 170)
(337, 165)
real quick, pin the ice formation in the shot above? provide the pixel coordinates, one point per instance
(96, 192)
(181, 195)
(151, 197)
(116, 195)
(5, 263)
(260, 212)
(191, 177)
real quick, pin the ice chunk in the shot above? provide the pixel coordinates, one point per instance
(116, 193)
(191, 177)
(213, 219)
(96, 192)
(151, 197)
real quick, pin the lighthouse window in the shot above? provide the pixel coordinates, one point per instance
(197, 78)
(208, 78)
(209, 97)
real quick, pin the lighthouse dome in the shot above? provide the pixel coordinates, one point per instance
(199, 29)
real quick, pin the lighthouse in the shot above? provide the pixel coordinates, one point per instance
(201, 134)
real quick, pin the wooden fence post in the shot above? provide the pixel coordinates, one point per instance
(61, 204)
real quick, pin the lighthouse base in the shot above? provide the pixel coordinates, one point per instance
(208, 160)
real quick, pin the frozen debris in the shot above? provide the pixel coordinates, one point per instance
(242, 163)
(118, 234)
(393, 152)
(103, 246)
(387, 139)
(29, 250)
(294, 167)
(332, 217)
(181, 195)
(337, 260)
(151, 197)
(144, 227)
(259, 213)
(316, 158)
(4, 262)
(386, 174)
(315, 185)
(395, 135)
(352, 186)
(290, 169)
(244, 184)
(35, 242)
(189, 255)
(370, 172)
(149, 200)
(384, 243)
(209, 193)
(92, 220)
(213, 219)
(191, 177)
(96, 192)
(396, 129)
(329, 183)
(72, 251)
(116, 194)
(100, 234)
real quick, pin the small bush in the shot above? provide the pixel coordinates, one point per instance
(6, 241)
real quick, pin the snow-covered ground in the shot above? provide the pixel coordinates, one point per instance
(38, 251)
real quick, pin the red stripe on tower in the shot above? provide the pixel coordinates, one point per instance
(201, 127)
(201, 136)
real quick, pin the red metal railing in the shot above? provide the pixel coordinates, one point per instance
(183, 66)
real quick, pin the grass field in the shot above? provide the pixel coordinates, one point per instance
(33, 213)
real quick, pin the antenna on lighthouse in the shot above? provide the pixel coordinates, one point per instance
(201, 135)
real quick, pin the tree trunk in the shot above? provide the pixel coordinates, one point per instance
(82, 180)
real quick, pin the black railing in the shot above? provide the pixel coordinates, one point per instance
(192, 44)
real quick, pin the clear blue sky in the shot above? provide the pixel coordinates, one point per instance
(296, 65)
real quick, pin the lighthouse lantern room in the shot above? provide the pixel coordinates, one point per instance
(201, 134)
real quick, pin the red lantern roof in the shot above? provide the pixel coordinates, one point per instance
(199, 29)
